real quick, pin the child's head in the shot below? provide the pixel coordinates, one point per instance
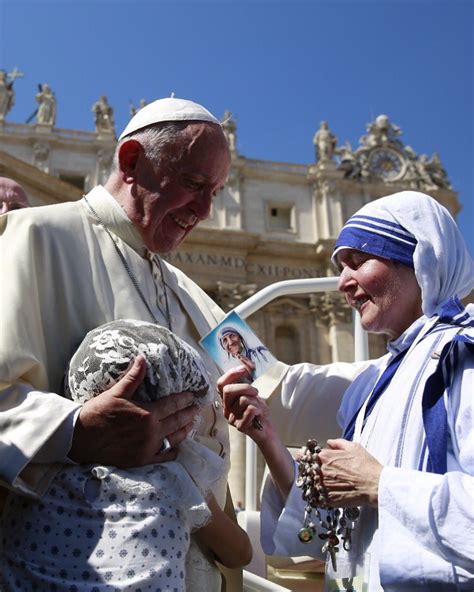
(106, 353)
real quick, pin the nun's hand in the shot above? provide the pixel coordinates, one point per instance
(349, 474)
(243, 408)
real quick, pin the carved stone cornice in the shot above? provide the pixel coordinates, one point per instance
(220, 237)
(330, 308)
(66, 139)
(275, 171)
(289, 307)
(229, 295)
(377, 188)
(48, 188)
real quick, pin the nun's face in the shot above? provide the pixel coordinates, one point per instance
(385, 293)
(232, 343)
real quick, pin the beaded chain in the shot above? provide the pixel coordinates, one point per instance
(338, 523)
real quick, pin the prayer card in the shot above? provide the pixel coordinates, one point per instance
(233, 343)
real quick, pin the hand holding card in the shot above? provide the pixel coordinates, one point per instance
(233, 344)
(242, 406)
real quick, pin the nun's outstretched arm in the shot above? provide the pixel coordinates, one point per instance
(249, 414)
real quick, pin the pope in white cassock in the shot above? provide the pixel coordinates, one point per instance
(391, 503)
(69, 268)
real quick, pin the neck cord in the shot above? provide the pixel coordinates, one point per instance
(154, 259)
(129, 271)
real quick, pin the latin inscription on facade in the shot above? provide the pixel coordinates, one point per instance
(236, 263)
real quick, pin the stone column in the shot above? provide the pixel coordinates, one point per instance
(232, 202)
(336, 315)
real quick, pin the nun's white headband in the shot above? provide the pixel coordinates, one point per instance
(442, 263)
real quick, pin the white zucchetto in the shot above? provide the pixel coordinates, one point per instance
(169, 109)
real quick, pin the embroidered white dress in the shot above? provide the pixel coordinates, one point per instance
(100, 528)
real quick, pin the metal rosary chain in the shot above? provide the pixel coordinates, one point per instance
(338, 522)
(127, 267)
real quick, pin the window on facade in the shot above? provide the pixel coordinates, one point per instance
(76, 180)
(280, 217)
(287, 345)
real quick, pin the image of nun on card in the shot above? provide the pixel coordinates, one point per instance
(233, 343)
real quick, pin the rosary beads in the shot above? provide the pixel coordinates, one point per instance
(337, 522)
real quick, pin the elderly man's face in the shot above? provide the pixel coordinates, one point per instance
(232, 343)
(12, 196)
(175, 198)
(385, 294)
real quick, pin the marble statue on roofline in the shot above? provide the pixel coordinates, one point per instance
(230, 130)
(104, 116)
(325, 143)
(348, 162)
(7, 93)
(46, 114)
(437, 172)
(134, 110)
(381, 131)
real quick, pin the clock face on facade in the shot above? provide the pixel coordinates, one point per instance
(386, 163)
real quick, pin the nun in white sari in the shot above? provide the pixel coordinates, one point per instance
(405, 462)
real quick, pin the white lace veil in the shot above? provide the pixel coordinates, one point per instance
(106, 353)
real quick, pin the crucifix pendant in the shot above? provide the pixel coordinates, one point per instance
(331, 549)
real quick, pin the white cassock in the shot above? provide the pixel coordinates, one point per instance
(422, 536)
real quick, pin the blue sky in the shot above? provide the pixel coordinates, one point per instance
(280, 66)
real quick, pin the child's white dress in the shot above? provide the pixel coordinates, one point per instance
(101, 528)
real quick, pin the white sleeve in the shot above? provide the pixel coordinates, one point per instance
(426, 520)
(35, 427)
(306, 404)
(57, 448)
(36, 424)
(281, 522)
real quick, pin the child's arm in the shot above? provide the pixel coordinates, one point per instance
(229, 543)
